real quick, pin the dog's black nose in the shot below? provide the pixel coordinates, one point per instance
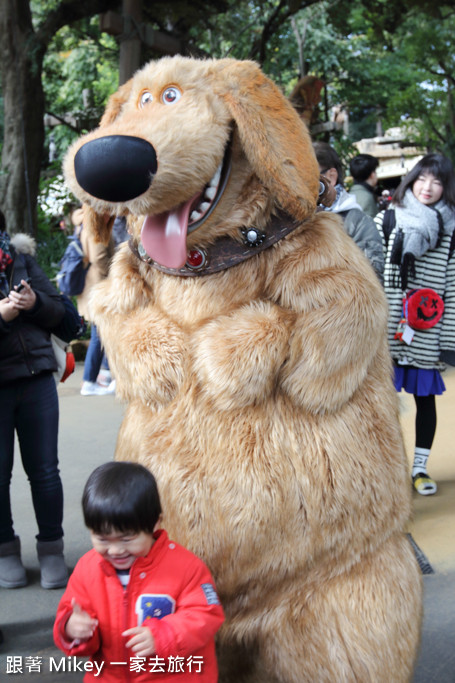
(115, 168)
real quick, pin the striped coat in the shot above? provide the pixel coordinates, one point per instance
(435, 269)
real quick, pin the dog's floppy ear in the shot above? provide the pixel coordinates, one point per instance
(97, 224)
(115, 103)
(274, 139)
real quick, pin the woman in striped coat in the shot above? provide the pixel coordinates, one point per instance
(419, 244)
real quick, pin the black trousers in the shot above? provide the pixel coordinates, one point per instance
(30, 408)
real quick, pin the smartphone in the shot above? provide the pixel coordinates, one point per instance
(20, 286)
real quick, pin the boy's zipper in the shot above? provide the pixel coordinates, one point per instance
(125, 626)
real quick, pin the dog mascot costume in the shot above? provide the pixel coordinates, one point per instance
(247, 332)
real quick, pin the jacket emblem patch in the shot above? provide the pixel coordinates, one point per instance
(210, 594)
(152, 606)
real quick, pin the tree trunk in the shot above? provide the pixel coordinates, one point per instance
(131, 46)
(21, 57)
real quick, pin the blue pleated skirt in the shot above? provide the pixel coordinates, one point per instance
(418, 381)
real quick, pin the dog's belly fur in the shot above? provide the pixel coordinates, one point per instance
(290, 507)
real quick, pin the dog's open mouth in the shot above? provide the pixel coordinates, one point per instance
(164, 236)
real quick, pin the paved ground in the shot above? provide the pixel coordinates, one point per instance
(433, 528)
(88, 433)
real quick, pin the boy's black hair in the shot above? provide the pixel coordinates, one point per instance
(121, 496)
(362, 166)
(328, 158)
(439, 166)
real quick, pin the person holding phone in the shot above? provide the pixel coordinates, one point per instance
(30, 308)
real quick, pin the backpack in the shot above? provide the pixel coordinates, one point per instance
(72, 326)
(388, 224)
(73, 269)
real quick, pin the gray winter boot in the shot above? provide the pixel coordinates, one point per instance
(12, 572)
(54, 572)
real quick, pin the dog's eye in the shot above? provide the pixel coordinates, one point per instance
(146, 97)
(171, 95)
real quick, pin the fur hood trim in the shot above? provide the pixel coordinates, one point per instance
(24, 244)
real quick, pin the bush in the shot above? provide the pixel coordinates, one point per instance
(51, 244)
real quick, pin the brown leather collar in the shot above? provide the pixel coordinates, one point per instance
(227, 252)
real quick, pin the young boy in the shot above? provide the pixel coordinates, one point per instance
(141, 606)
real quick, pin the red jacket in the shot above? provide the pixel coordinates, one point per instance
(171, 591)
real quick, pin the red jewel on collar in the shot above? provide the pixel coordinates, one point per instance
(196, 259)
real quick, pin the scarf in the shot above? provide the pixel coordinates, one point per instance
(343, 201)
(5, 260)
(419, 229)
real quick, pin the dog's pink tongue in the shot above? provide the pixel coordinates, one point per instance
(164, 236)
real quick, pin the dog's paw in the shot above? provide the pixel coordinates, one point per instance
(238, 357)
(147, 353)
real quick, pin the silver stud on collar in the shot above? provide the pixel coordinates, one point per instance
(252, 237)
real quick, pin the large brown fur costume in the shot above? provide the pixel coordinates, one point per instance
(261, 395)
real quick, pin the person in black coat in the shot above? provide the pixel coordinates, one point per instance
(30, 308)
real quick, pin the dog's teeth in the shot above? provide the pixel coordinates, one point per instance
(204, 206)
(195, 215)
(210, 192)
(216, 178)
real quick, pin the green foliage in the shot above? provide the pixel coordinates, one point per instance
(230, 34)
(51, 243)
(81, 64)
(427, 102)
(78, 60)
(399, 68)
(392, 61)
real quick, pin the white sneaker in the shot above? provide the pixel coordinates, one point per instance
(94, 389)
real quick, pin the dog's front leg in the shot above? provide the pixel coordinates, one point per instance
(338, 339)
(146, 353)
(237, 357)
(146, 350)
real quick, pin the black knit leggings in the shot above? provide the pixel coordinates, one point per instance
(425, 420)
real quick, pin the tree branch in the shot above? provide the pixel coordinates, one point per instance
(447, 74)
(282, 12)
(434, 129)
(68, 12)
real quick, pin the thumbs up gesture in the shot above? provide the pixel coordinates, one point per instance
(80, 625)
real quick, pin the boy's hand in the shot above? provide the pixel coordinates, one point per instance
(80, 625)
(142, 642)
